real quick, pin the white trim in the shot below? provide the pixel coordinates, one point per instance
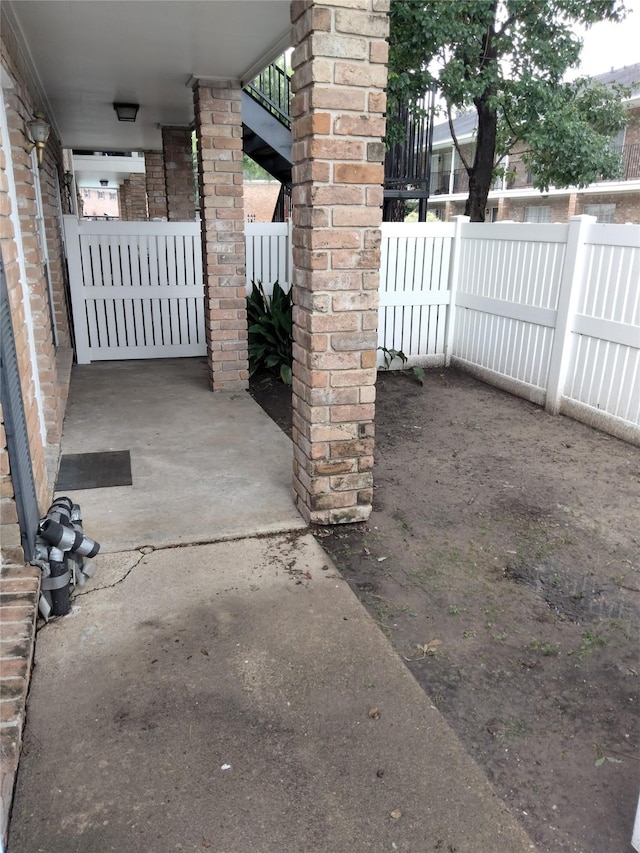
(27, 58)
(15, 221)
(44, 245)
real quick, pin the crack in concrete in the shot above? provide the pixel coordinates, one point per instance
(120, 580)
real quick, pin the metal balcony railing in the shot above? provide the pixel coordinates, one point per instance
(442, 184)
(629, 167)
(272, 89)
(630, 156)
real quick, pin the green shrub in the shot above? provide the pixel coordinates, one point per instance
(270, 331)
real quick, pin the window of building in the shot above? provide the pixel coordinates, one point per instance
(617, 141)
(603, 212)
(112, 196)
(100, 194)
(537, 213)
(86, 193)
(491, 214)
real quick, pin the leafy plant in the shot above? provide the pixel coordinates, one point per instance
(601, 756)
(388, 355)
(505, 62)
(270, 331)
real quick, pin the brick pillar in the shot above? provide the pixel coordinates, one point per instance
(156, 188)
(338, 120)
(219, 131)
(178, 174)
(123, 200)
(138, 198)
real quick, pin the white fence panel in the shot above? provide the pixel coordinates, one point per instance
(268, 254)
(604, 369)
(136, 289)
(414, 290)
(494, 301)
(506, 299)
(549, 312)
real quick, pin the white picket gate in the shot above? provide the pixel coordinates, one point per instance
(136, 289)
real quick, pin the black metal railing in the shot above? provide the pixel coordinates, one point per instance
(272, 89)
(630, 157)
(441, 183)
(408, 161)
(282, 210)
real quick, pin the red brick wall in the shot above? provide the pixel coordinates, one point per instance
(260, 200)
(133, 199)
(21, 103)
(179, 174)
(156, 189)
(10, 533)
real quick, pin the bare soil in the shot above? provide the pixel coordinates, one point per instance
(502, 561)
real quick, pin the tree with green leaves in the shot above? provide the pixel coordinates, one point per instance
(506, 59)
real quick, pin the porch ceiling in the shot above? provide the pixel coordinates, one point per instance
(89, 53)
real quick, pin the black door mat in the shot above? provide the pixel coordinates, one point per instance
(94, 470)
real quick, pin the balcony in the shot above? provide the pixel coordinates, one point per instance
(630, 156)
(441, 182)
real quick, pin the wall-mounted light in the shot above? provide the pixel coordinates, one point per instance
(126, 112)
(37, 132)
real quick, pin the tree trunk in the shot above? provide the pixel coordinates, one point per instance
(394, 210)
(481, 174)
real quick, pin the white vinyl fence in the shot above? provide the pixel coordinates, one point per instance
(548, 312)
(136, 287)
(268, 254)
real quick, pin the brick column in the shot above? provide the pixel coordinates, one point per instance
(138, 198)
(338, 120)
(123, 200)
(178, 174)
(156, 189)
(219, 131)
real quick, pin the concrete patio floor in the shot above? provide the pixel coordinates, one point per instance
(232, 696)
(205, 466)
(219, 697)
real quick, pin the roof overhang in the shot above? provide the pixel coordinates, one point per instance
(88, 54)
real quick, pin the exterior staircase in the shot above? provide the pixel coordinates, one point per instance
(266, 121)
(266, 125)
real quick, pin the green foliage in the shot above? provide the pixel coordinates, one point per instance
(389, 355)
(252, 171)
(506, 60)
(270, 331)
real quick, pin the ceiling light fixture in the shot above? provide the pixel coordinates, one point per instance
(126, 112)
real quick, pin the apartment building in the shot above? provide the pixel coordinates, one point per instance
(513, 197)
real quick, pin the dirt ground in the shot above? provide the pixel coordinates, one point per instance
(502, 561)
